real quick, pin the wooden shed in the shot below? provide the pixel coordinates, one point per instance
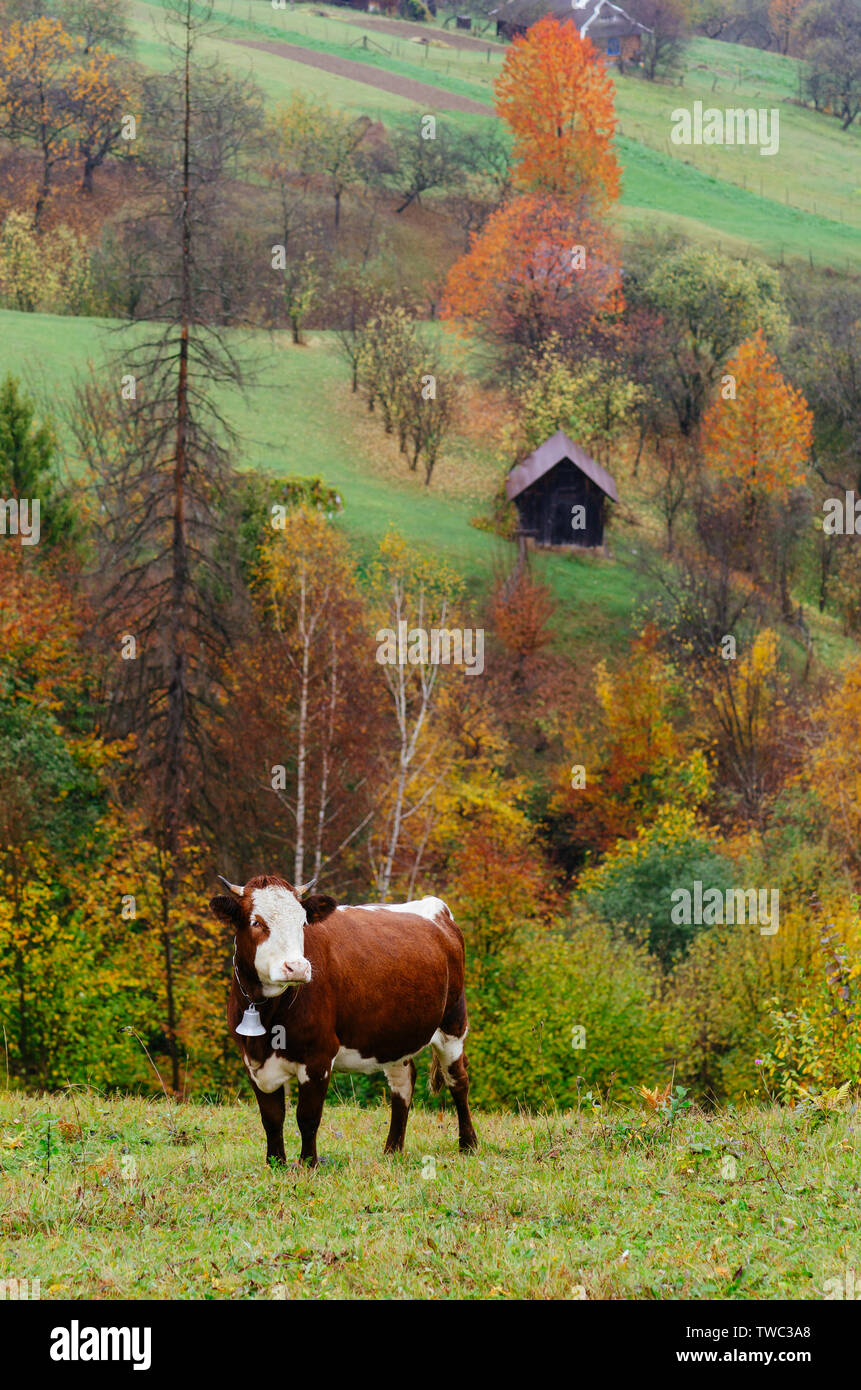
(559, 494)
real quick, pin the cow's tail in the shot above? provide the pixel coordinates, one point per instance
(435, 1079)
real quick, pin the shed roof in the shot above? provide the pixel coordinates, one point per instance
(546, 456)
(594, 18)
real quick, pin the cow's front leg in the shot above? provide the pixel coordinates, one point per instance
(273, 1105)
(313, 1085)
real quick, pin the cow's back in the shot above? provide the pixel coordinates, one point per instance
(389, 974)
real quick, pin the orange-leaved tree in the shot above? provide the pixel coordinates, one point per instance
(555, 94)
(541, 265)
(633, 758)
(757, 440)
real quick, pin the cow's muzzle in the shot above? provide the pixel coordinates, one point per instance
(295, 972)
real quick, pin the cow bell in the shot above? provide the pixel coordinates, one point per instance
(251, 1027)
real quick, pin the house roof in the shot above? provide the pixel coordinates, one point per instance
(546, 456)
(596, 19)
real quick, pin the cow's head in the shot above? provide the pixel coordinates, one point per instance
(269, 918)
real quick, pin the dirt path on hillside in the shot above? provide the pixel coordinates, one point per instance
(433, 98)
(402, 28)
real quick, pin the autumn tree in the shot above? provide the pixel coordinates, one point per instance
(832, 768)
(99, 94)
(310, 138)
(627, 759)
(389, 366)
(541, 265)
(783, 15)
(289, 139)
(35, 59)
(756, 435)
(298, 733)
(591, 400)
(51, 798)
(299, 287)
(708, 303)
(521, 613)
(64, 103)
(427, 414)
(555, 95)
(714, 628)
(410, 594)
(747, 703)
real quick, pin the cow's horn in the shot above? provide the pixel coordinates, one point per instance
(306, 887)
(235, 888)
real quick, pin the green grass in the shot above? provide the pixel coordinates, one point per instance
(129, 1198)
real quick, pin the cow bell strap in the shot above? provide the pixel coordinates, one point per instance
(236, 974)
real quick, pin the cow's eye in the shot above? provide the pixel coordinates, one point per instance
(256, 922)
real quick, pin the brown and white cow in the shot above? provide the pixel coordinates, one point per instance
(359, 989)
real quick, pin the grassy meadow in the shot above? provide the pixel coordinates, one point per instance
(127, 1198)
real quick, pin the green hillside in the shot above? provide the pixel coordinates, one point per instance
(805, 201)
(298, 415)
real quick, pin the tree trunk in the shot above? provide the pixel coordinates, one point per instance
(177, 696)
(302, 748)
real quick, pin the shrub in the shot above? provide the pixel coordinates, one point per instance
(632, 888)
(526, 1004)
(47, 272)
(817, 1045)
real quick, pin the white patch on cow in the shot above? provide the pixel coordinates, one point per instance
(272, 1073)
(275, 1071)
(348, 1059)
(399, 1077)
(447, 1049)
(280, 959)
(429, 908)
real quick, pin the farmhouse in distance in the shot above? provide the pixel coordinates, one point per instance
(550, 484)
(612, 30)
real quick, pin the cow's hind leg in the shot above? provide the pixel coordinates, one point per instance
(450, 1059)
(273, 1105)
(401, 1077)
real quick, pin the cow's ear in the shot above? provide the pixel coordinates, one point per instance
(227, 909)
(318, 906)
